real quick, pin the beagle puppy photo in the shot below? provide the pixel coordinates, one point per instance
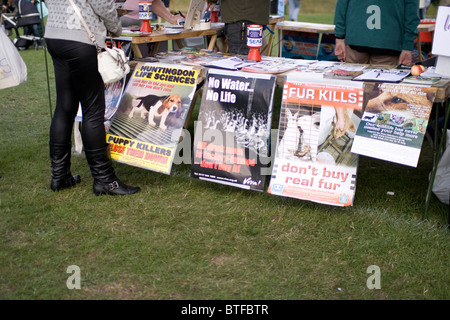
(157, 108)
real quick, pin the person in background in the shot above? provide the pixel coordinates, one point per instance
(423, 7)
(160, 8)
(237, 15)
(376, 33)
(294, 9)
(29, 18)
(7, 7)
(79, 82)
(167, 5)
(41, 5)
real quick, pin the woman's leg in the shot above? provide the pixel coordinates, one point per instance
(62, 123)
(77, 69)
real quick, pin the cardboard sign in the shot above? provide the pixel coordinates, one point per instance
(442, 32)
(232, 134)
(318, 121)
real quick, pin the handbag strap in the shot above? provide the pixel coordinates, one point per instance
(90, 34)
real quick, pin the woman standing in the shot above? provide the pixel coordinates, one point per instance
(78, 81)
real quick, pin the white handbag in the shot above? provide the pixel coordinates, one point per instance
(112, 63)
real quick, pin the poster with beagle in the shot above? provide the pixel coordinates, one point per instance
(394, 123)
(232, 136)
(148, 124)
(318, 121)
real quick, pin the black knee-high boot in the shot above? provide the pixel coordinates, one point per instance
(105, 180)
(60, 162)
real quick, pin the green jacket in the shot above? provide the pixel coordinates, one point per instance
(383, 24)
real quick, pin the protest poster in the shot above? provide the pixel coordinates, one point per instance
(317, 125)
(148, 124)
(231, 140)
(394, 123)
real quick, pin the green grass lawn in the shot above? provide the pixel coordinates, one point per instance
(181, 238)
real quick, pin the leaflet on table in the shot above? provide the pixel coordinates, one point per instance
(190, 56)
(430, 72)
(202, 57)
(344, 71)
(131, 32)
(231, 141)
(148, 124)
(421, 80)
(383, 75)
(394, 123)
(233, 63)
(317, 125)
(274, 65)
(160, 28)
(316, 66)
(323, 66)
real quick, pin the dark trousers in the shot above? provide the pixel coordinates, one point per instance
(77, 81)
(237, 37)
(33, 29)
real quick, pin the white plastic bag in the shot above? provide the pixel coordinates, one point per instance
(441, 185)
(13, 70)
(112, 65)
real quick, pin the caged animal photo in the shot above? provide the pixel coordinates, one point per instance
(299, 135)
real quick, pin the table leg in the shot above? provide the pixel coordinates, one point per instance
(272, 34)
(319, 43)
(280, 42)
(212, 42)
(419, 48)
(155, 49)
(267, 50)
(136, 50)
(437, 154)
(179, 43)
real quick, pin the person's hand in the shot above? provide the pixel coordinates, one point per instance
(405, 57)
(114, 35)
(339, 50)
(173, 19)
